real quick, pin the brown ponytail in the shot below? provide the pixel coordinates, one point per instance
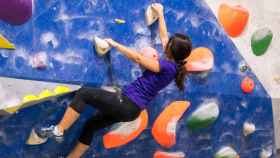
(181, 76)
(179, 46)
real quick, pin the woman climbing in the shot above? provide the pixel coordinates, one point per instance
(135, 96)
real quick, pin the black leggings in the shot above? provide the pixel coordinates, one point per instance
(111, 109)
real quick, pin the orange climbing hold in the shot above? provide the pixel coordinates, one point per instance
(247, 85)
(161, 154)
(200, 59)
(126, 132)
(233, 18)
(164, 128)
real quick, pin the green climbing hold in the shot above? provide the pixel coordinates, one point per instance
(261, 40)
(204, 116)
(226, 152)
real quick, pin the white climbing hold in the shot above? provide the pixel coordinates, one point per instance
(151, 15)
(39, 60)
(226, 152)
(101, 46)
(248, 128)
(266, 153)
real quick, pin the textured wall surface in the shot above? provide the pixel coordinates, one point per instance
(63, 31)
(263, 14)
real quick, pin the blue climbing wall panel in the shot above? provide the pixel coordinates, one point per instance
(72, 59)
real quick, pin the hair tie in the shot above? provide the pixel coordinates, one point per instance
(181, 63)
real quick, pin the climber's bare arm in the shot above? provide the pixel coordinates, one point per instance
(150, 64)
(163, 34)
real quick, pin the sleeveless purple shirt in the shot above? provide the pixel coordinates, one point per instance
(145, 88)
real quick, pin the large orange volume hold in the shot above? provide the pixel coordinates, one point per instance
(201, 59)
(164, 128)
(162, 154)
(233, 18)
(125, 132)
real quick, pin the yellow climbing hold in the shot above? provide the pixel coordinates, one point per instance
(4, 43)
(61, 89)
(120, 21)
(12, 109)
(45, 93)
(29, 98)
(277, 80)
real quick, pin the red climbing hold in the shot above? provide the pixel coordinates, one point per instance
(161, 154)
(164, 128)
(247, 85)
(233, 18)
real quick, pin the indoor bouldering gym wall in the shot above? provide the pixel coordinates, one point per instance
(229, 109)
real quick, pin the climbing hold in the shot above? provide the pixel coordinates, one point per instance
(233, 18)
(4, 43)
(248, 128)
(200, 59)
(39, 60)
(45, 94)
(61, 89)
(151, 15)
(162, 154)
(247, 85)
(149, 52)
(266, 153)
(101, 46)
(226, 152)
(120, 21)
(261, 40)
(164, 128)
(15, 12)
(244, 68)
(277, 80)
(204, 116)
(13, 109)
(125, 132)
(29, 98)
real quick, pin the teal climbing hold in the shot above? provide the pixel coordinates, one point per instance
(204, 116)
(261, 40)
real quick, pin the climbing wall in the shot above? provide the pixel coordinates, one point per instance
(224, 112)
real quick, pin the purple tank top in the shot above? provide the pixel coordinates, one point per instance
(145, 88)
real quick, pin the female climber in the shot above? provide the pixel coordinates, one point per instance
(134, 97)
